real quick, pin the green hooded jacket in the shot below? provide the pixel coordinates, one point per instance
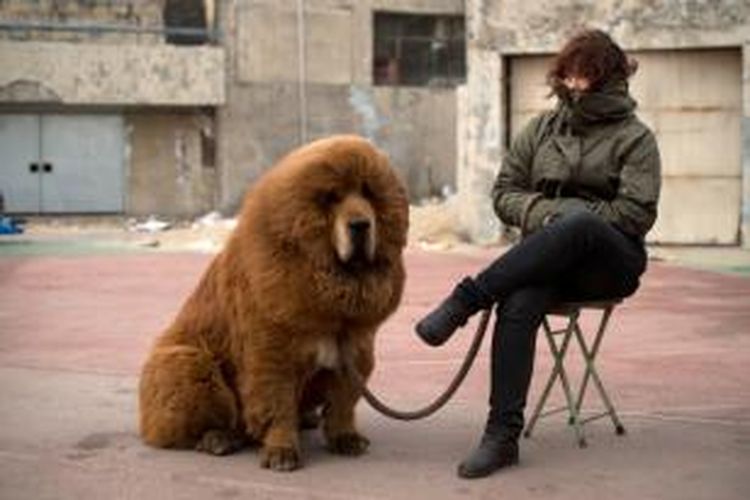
(592, 153)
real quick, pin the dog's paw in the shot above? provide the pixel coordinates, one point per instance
(281, 459)
(220, 442)
(350, 443)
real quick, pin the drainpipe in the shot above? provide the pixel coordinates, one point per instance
(302, 71)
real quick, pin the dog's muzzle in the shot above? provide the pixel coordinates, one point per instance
(355, 241)
(359, 234)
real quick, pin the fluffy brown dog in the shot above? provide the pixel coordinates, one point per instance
(312, 269)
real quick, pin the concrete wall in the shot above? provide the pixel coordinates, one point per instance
(497, 29)
(273, 90)
(164, 91)
(525, 26)
(136, 13)
(86, 73)
(480, 144)
(268, 112)
(166, 173)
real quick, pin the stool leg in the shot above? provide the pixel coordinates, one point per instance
(589, 356)
(588, 360)
(574, 419)
(590, 371)
(550, 381)
(558, 354)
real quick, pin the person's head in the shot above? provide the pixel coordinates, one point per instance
(587, 62)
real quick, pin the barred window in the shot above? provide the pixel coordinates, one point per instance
(419, 50)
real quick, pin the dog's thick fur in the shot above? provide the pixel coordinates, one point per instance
(312, 269)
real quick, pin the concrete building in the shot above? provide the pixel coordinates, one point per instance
(185, 124)
(299, 70)
(104, 110)
(692, 86)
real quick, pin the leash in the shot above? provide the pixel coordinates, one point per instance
(441, 400)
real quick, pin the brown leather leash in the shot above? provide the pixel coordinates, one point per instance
(441, 400)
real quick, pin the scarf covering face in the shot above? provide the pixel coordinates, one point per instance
(610, 103)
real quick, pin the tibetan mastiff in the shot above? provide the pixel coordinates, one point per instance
(312, 269)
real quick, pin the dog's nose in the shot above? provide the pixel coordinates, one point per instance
(359, 226)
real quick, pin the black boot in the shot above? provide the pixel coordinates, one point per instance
(453, 313)
(498, 447)
(494, 452)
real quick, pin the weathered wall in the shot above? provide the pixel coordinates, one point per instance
(479, 145)
(263, 111)
(136, 13)
(415, 126)
(268, 112)
(166, 174)
(129, 73)
(88, 73)
(540, 26)
(497, 29)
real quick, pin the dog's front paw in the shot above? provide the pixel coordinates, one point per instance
(221, 442)
(280, 458)
(349, 443)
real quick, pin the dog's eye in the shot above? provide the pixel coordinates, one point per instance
(367, 191)
(328, 198)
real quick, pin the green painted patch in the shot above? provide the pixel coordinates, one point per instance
(744, 270)
(65, 247)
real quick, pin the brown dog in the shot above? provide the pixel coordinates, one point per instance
(312, 269)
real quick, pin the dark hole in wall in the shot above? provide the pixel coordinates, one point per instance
(185, 14)
(208, 138)
(208, 149)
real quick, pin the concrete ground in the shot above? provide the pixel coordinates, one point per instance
(77, 317)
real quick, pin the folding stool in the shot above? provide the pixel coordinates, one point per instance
(572, 311)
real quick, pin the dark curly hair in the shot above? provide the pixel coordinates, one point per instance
(594, 55)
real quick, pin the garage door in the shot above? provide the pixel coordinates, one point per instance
(61, 163)
(692, 101)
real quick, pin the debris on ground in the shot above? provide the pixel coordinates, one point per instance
(10, 225)
(150, 225)
(434, 224)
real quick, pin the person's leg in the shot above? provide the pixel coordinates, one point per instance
(561, 248)
(541, 259)
(603, 277)
(513, 346)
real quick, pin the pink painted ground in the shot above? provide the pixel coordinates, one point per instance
(74, 330)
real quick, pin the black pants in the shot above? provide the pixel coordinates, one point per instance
(577, 257)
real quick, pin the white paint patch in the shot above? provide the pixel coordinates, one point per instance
(362, 103)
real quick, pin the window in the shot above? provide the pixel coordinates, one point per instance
(185, 21)
(419, 50)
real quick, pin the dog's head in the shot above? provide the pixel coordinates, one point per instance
(324, 231)
(337, 202)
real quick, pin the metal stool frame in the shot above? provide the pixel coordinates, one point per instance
(574, 402)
